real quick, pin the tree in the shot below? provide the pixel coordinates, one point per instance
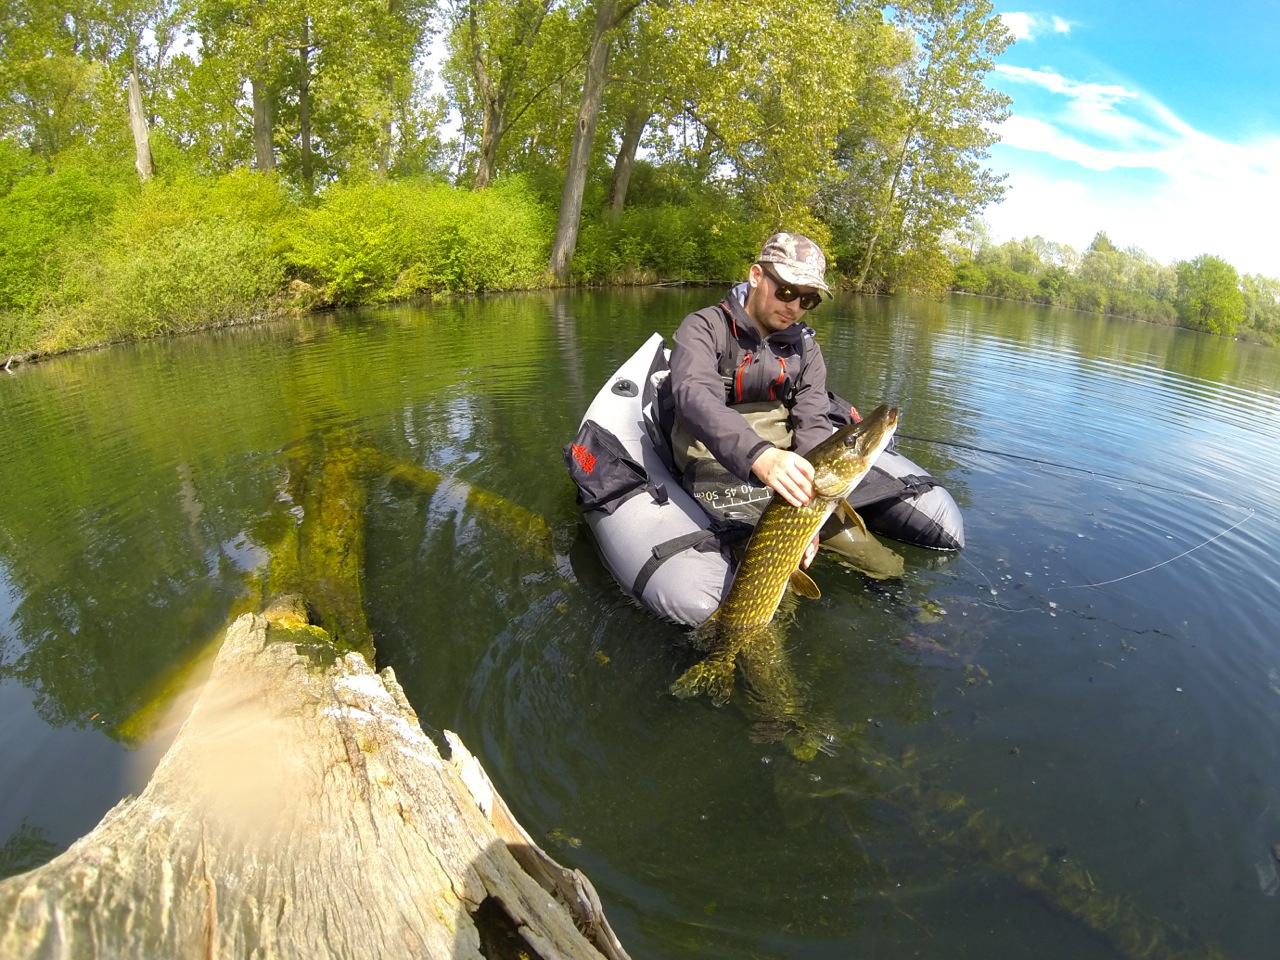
(1209, 296)
(765, 110)
(333, 85)
(608, 15)
(911, 156)
(638, 66)
(509, 64)
(65, 69)
(248, 39)
(1262, 303)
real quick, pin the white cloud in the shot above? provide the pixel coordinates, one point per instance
(1021, 25)
(1028, 26)
(1057, 83)
(1123, 162)
(1171, 222)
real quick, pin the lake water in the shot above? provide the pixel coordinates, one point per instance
(1089, 693)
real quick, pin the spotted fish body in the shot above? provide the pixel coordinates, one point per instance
(777, 545)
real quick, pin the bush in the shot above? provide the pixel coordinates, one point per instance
(181, 254)
(37, 215)
(198, 274)
(969, 277)
(373, 242)
(241, 197)
(495, 239)
(705, 240)
(1009, 285)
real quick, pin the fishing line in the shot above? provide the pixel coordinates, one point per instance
(1076, 469)
(1156, 566)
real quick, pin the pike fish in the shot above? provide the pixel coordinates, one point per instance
(772, 559)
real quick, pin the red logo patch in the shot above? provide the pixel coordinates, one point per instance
(584, 458)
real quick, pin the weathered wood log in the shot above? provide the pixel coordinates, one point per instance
(301, 811)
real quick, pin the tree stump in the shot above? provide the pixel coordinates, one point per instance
(301, 811)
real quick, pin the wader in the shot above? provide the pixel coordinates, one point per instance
(738, 504)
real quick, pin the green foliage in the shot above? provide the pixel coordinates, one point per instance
(181, 254)
(15, 163)
(706, 238)
(173, 255)
(1262, 305)
(38, 212)
(909, 155)
(1106, 279)
(1008, 284)
(173, 203)
(1209, 296)
(206, 271)
(969, 277)
(373, 242)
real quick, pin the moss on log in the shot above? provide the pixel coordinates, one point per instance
(321, 552)
(303, 812)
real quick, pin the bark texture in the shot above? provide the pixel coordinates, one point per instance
(141, 135)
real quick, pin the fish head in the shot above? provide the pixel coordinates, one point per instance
(843, 459)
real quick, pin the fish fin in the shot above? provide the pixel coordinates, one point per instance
(803, 584)
(850, 515)
(712, 676)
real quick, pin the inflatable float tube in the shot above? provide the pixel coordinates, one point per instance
(655, 539)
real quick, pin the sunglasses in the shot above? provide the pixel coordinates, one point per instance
(786, 292)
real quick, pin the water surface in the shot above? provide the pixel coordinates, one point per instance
(1097, 673)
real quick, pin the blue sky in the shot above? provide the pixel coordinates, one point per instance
(1158, 123)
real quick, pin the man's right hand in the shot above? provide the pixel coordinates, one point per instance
(788, 474)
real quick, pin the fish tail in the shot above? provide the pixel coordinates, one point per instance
(712, 676)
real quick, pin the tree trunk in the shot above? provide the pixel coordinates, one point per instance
(491, 105)
(883, 213)
(303, 812)
(304, 105)
(385, 128)
(263, 134)
(141, 136)
(637, 120)
(609, 13)
(489, 140)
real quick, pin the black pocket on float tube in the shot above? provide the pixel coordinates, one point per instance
(604, 472)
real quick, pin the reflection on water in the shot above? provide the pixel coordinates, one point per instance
(1125, 730)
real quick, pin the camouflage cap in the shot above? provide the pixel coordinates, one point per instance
(796, 259)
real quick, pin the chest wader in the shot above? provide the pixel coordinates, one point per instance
(738, 504)
(725, 497)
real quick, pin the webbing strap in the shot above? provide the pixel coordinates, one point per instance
(665, 551)
(879, 485)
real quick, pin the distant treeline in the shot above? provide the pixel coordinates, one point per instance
(1205, 293)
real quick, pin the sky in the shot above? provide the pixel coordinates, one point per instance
(1157, 123)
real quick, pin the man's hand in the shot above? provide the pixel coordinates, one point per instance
(810, 552)
(788, 474)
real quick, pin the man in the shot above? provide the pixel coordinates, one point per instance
(749, 386)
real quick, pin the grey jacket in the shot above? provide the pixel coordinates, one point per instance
(718, 361)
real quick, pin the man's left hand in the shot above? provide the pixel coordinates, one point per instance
(810, 552)
(788, 474)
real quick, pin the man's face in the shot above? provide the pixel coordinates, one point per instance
(763, 306)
